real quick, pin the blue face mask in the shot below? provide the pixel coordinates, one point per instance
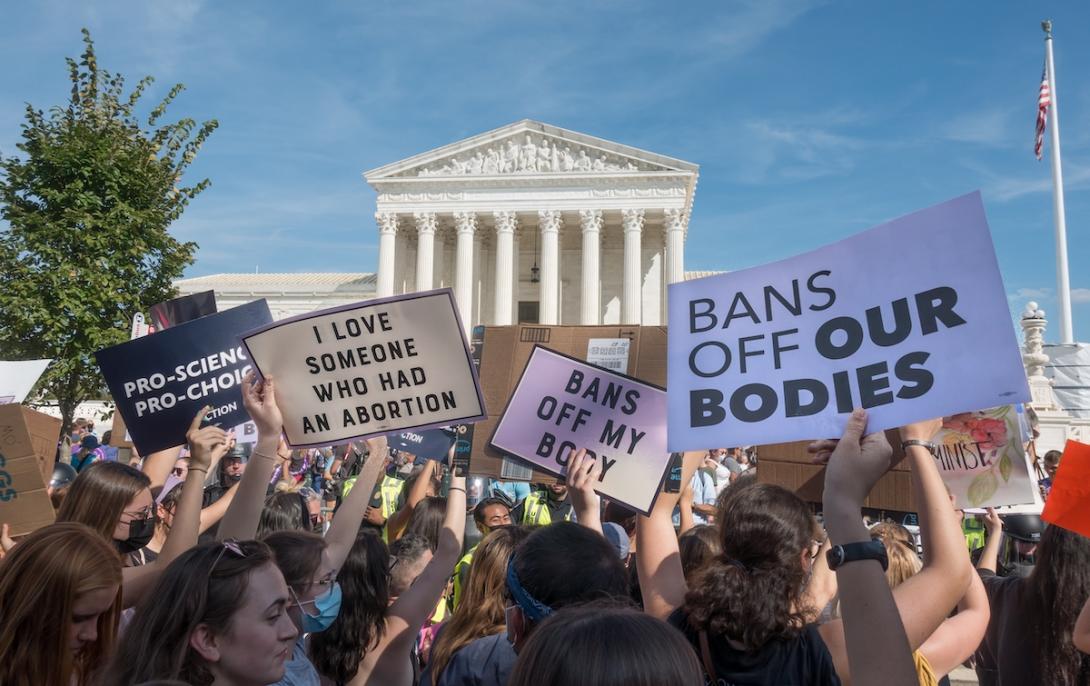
(327, 605)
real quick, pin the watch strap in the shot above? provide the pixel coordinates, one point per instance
(929, 446)
(840, 555)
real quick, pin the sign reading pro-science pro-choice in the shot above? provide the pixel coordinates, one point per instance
(160, 381)
(562, 404)
(376, 367)
(908, 320)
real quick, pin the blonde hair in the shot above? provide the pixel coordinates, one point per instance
(480, 610)
(99, 495)
(904, 563)
(40, 581)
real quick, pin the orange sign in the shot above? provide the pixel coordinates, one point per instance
(1068, 503)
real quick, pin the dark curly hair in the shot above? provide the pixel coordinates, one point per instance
(365, 587)
(1054, 595)
(753, 591)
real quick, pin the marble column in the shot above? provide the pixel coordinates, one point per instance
(674, 228)
(506, 222)
(590, 306)
(465, 225)
(549, 222)
(387, 241)
(631, 306)
(426, 223)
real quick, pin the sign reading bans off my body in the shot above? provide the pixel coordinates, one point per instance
(376, 367)
(908, 320)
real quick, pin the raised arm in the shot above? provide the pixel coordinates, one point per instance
(989, 556)
(242, 516)
(157, 466)
(204, 445)
(959, 636)
(869, 645)
(419, 490)
(1081, 635)
(346, 522)
(658, 560)
(583, 476)
(214, 512)
(685, 508)
(413, 607)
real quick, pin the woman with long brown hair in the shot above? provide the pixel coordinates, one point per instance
(115, 500)
(218, 615)
(61, 599)
(481, 610)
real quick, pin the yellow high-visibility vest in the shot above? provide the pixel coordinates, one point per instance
(535, 510)
(461, 570)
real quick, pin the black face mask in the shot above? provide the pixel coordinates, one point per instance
(140, 533)
(231, 479)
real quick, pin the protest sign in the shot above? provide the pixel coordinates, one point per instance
(1068, 503)
(246, 433)
(982, 459)
(430, 444)
(18, 378)
(183, 309)
(561, 404)
(377, 367)
(28, 448)
(908, 320)
(160, 381)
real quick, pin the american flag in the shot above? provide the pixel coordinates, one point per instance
(1044, 99)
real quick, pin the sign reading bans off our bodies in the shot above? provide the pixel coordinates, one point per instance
(376, 367)
(908, 320)
(160, 381)
(562, 404)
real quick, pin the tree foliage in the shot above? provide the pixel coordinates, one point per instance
(88, 205)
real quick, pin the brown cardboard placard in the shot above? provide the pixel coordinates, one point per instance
(28, 446)
(118, 433)
(789, 465)
(505, 352)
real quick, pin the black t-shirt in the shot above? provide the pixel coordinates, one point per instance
(800, 661)
(1002, 658)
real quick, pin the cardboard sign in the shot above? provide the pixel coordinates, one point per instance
(160, 381)
(378, 367)
(561, 404)
(982, 458)
(790, 466)
(430, 444)
(609, 353)
(183, 309)
(1068, 503)
(908, 320)
(18, 378)
(504, 352)
(28, 448)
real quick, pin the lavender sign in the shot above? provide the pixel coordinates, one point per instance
(563, 404)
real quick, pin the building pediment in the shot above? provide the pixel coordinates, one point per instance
(530, 149)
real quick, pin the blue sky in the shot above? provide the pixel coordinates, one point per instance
(811, 121)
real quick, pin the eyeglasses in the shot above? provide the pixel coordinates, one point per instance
(142, 515)
(230, 544)
(326, 582)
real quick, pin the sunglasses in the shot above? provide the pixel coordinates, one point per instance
(229, 545)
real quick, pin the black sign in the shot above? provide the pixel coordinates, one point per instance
(183, 309)
(160, 381)
(430, 444)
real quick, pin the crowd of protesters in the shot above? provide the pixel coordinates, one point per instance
(355, 565)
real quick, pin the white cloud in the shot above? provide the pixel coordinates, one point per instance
(986, 127)
(1080, 296)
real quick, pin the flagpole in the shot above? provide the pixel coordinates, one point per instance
(1063, 285)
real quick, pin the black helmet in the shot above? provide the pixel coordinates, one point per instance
(63, 475)
(1023, 527)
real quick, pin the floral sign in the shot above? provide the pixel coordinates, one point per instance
(983, 460)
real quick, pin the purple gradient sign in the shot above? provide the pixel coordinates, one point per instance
(561, 403)
(908, 320)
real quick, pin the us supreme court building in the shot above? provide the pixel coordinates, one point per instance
(528, 223)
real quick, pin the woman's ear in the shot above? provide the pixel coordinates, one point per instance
(205, 642)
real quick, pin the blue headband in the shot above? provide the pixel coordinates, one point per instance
(534, 609)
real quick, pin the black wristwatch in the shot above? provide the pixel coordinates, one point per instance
(840, 555)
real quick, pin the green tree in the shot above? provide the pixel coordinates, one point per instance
(87, 208)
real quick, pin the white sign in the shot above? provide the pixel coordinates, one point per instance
(376, 367)
(609, 353)
(18, 378)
